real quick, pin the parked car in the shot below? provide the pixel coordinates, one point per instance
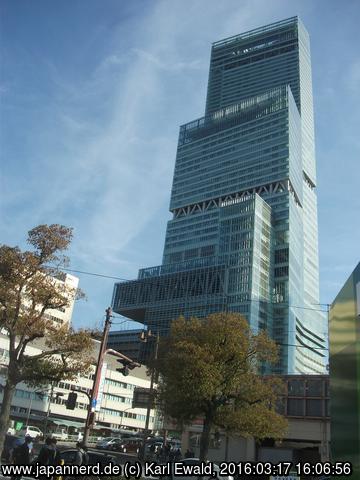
(127, 445)
(31, 431)
(103, 459)
(60, 435)
(103, 443)
(114, 444)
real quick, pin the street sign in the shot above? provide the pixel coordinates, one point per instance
(141, 398)
(100, 391)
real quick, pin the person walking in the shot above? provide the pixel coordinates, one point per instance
(177, 455)
(21, 455)
(189, 453)
(55, 457)
(47, 453)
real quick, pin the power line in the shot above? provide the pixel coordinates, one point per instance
(283, 304)
(89, 273)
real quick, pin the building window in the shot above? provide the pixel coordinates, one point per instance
(296, 388)
(295, 407)
(314, 408)
(314, 388)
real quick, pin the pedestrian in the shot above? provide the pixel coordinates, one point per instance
(56, 457)
(47, 453)
(158, 453)
(167, 451)
(177, 455)
(189, 454)
(21, 455)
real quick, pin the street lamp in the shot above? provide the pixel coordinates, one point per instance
(51, 396)
(122, 416)
(40, 394)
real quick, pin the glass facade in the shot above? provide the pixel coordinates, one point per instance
(127, 342)
(345, 373)
(243, 236)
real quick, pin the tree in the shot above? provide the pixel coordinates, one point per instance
(209, 368)
(29, 291)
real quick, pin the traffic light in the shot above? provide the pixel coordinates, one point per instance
(71, 401)
(126, 366)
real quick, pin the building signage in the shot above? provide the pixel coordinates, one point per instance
(100, 391)
(141, 397)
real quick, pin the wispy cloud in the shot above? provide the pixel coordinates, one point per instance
(174, 66)
(103, 146)
(93, 146)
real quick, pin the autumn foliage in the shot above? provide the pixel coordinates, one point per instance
(28, 293)
(209, 368)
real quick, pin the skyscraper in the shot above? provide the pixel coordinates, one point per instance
(243, 236)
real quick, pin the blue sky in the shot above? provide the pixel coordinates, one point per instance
(92, 95)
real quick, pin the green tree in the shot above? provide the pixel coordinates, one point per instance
(28, 295)
(209, 368)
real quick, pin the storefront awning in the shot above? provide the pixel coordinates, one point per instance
(66, 423)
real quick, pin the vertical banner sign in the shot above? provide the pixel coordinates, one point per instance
(101, 387)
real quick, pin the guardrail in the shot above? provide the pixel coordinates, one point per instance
(75, 439)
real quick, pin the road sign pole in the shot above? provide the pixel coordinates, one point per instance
(92, 404)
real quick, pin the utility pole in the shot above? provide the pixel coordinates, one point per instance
(152, 381)
(144, 338)
(48, 409)
(91, 409)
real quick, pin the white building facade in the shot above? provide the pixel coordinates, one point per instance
(63, 315)
(45, 407)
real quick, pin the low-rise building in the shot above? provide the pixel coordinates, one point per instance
(46, 407)
(70, 284)
(305, 404)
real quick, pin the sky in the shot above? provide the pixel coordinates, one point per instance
(92, 96)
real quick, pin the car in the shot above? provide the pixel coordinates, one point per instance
(127, 445)
(30, 431)
(60, 435)
(103, 443)
(103, 459)
(114, 444)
